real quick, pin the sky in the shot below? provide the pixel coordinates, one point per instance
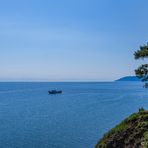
(70, 40)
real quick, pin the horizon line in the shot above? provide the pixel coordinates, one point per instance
(37, 81)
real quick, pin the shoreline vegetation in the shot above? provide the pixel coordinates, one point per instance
(133, 131)
(130, 133)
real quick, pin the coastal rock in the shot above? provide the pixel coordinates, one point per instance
(130, 133)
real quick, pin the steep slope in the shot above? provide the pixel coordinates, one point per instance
(130, 133)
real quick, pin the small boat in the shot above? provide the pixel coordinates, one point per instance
(55, 92)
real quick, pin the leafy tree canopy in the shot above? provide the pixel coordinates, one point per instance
(142, 53)
(142, 71)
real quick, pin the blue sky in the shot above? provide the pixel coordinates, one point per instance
(70, 40)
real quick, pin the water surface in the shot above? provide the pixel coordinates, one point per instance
(30, 118)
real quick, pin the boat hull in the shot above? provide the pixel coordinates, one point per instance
(55, 92)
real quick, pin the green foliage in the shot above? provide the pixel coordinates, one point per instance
(119, 128)
(142, 71)
(141, 109)
(145, 141)
(133, 131)
(132, 117)
(142, 53)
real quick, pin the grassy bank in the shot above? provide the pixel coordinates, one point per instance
(132, 132)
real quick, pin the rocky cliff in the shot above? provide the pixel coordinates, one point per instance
(130, 133)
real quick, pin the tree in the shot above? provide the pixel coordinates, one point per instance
(142, 71)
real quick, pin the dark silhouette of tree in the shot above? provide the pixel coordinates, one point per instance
(142, 71)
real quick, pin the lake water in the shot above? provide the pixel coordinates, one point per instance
(30, 118)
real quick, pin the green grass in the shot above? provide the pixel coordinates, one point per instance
(145, 143)
(119, 128)
(139, 120)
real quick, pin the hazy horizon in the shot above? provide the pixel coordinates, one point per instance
(66, 80)
(81, 40)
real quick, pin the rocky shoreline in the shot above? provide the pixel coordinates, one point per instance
(130, 133)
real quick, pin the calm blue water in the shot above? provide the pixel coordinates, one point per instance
(30, 118)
